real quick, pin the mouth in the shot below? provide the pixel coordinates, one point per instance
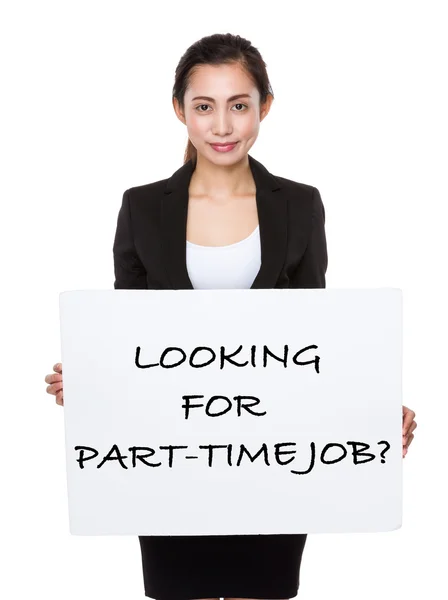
(224, 146)
(223, 143)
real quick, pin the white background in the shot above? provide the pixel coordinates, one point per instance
(359, 112)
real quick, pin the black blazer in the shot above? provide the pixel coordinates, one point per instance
(150, 240)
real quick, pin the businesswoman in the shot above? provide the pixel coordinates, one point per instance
(222, 220)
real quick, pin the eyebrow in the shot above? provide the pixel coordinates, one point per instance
(228, 100)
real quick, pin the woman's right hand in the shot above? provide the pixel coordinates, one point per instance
(55, 381)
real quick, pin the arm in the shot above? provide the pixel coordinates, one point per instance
(312, 267)
(130, 274)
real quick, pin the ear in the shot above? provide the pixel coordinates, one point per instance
(178, 111)
(266, 106)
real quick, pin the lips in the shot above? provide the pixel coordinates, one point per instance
(223, 147)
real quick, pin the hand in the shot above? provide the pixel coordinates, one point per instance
(56, 388)
(408, 427)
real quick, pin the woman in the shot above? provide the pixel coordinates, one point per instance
(200, 229)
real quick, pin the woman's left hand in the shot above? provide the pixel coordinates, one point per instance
(408, 427)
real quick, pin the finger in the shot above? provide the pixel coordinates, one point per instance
(60, 398)
(407, 420)
(408, 442)
(409, 429)
(407, 415)
(406, 437)
(54, 388)
(405, 412)
(53, 378)
(57, 367)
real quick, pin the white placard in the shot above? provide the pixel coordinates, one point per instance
(223, 412)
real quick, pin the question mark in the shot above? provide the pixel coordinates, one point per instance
(384, 450)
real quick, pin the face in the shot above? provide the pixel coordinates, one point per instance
(222, 104)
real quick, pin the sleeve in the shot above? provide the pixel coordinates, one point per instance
(130, 274)
(311, 270)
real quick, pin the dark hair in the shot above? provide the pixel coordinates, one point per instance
(218, 49)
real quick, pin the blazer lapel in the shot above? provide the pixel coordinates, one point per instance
(272, 217)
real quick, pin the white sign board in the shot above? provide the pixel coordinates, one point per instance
(224, 412)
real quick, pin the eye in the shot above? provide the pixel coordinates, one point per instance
(200, 106)
(204, 111)
(240, 104)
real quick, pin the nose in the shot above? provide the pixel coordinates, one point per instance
(222, 124)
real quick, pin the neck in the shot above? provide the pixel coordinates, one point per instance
(209, 179)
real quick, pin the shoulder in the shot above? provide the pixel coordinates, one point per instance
(303, 189)
(301, 195)
(146, 192)
(144, 201)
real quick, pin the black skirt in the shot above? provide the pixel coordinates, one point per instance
(219, 566)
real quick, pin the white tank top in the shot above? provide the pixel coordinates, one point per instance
(223, 267)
